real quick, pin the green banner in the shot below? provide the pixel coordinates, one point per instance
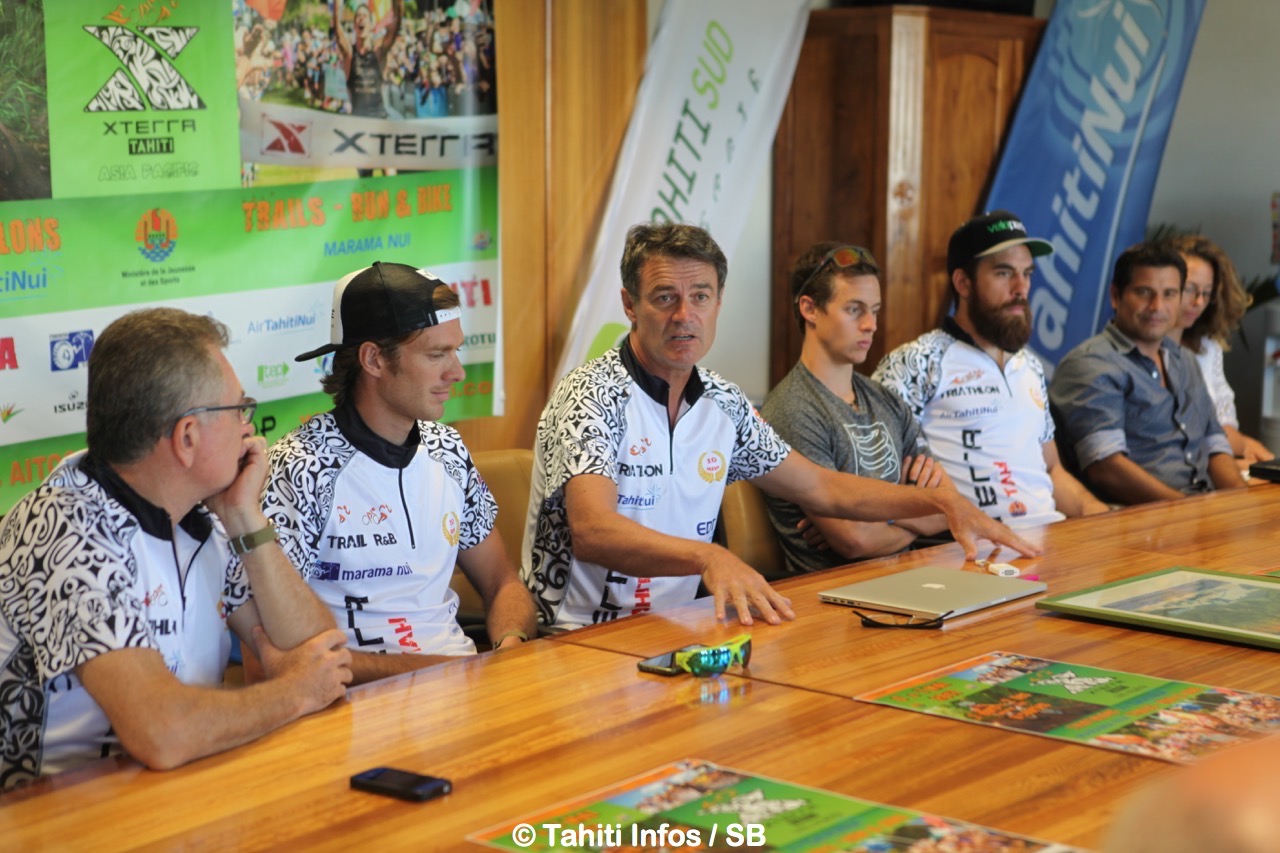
(216, 158)
(144, 94)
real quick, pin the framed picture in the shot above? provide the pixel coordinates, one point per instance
(1220, 605)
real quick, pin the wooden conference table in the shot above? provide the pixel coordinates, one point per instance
(517, 732)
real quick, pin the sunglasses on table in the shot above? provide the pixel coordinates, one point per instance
(843, 257)
(713, 660)
(903, 620)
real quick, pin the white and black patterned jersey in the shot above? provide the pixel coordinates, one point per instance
(987, 427)
(609, 417)
(375, 528)
(88, 566)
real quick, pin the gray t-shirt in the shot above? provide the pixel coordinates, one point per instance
(869, 441)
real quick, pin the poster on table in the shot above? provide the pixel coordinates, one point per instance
(697, 805)
(1219, 605)
(234, 159)
(1172, 720)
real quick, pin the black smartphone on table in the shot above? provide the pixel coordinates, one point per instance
(401, 784)
(665, 664)
(1269, 470)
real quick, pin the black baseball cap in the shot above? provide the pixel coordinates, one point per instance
(382, 301)
(990, 233)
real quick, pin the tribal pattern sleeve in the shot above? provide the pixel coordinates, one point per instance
(758, 449)
(580, 432)
(236, 590)
(1037, 368)
(582, 429)
(298, 494)
(445, 446)
(70, 580)
(912, 370)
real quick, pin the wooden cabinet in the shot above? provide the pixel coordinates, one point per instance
(892, 128)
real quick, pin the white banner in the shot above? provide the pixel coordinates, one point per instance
(715, 82)
(267, 330)
(297, 136)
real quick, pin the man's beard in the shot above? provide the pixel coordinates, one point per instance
(1010, 332)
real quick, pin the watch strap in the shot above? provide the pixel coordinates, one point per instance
(243, 544)
(524, 638)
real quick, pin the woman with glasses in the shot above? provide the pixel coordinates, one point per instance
(1213, 303)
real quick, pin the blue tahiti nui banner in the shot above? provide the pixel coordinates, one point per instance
(1081, 161)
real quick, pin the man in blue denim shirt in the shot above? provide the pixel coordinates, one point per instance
(1132, 404)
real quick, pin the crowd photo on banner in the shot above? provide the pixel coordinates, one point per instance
(394, 59)
(440, 61)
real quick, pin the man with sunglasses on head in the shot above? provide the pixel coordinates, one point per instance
(979, 393)
(376, 501)
(840, 419)
(121, 573)
(635, 448)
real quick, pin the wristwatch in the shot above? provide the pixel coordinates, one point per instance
(524, 638)
(243, 544)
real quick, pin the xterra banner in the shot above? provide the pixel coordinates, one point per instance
(233, 159)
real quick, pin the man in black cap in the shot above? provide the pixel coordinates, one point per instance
(375, 501)
(978, 393)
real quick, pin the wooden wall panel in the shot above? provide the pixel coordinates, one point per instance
(894, 121)
(520, 35)
(830, 147)
(567, 76)
(597, 60)
(905, 196)
(974, 73)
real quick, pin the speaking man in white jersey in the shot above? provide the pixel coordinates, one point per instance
(635, 448)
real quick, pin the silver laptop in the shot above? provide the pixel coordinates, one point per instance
(931, 591)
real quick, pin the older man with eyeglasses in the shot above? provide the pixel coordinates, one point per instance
(121, 573)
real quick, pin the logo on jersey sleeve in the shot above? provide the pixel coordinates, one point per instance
(712, 466)
(451, 528)
(1037, 398)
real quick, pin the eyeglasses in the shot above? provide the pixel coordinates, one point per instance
(844, 256)
(1191, 294)
(714, 660)
(246, 407)
(923, 624)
